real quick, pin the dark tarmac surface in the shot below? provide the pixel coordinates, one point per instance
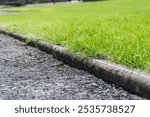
(28, 73)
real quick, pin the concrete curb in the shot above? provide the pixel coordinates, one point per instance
(135, 81)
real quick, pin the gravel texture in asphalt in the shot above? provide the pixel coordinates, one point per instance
(28, 73)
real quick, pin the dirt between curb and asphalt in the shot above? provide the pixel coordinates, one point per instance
(132, 80)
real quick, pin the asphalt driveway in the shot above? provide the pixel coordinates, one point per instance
(28, 73)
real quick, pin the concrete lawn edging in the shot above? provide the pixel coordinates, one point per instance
(137, 82)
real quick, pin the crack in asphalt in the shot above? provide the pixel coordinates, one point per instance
(28, 73)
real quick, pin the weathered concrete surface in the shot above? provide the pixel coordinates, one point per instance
(27, 73)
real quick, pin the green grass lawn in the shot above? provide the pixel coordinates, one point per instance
(118, 30)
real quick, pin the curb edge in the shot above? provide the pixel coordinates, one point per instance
(134, 81)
